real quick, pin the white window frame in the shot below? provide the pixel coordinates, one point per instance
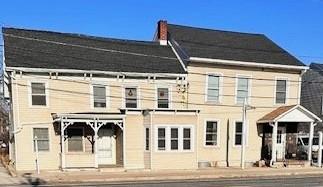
(178, 138)
(83, 142)
(287, 90)
(156, 138)
(168, 139)
(217, 133)
(169, 96)
(249, 77)
(30, 94)
(220, 75)
(49, 138)
(124, 95)
(107, 96)
(234, 134)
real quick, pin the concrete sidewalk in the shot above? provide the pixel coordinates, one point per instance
(51, 177)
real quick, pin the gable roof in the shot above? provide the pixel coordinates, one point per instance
(280, 112)
(54, 50)
(227, 45)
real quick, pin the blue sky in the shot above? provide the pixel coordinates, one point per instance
(296, 25)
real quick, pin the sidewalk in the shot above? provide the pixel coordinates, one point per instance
(214, 173)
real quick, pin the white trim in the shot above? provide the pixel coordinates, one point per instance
(248, 64)
(295, 107)
(234, 133)
(49, 138)
(217, 133)
(168, 139)
(176, 54)
(220, 75)
(170, 95)
(277, 78)
(29, 82)
(107, 96)
(249, 77)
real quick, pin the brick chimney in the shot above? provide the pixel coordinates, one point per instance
(162, 32)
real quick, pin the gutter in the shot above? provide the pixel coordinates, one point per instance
(247, 64)
(76, 71)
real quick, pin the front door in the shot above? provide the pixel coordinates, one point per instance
(281, 143)
(106, 146)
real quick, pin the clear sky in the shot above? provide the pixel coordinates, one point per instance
(296, 25)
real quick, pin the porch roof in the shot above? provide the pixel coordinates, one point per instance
(88, 115)
(291, 113)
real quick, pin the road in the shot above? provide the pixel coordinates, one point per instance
(290, 181)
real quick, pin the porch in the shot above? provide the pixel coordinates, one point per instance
(283, 131)
(90, 140)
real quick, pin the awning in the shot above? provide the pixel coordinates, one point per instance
(291, 113)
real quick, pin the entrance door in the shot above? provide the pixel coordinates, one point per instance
(106, 147)
(281, 142)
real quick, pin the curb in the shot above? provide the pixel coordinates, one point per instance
(186, 177)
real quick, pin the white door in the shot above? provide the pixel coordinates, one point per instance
(281, 142)
(106, 147)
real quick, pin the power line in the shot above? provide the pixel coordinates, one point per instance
(154, 100)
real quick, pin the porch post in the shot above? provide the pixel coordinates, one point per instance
(273, 144)
(310, 142)
(62, 146)
(96, 165)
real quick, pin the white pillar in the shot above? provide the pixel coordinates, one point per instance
(273, 144)
(62, 146)
(96, 164)
(319, 159)
(310, 142)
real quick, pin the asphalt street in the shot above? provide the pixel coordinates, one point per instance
(290, 181)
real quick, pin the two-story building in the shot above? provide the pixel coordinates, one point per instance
(89, 102)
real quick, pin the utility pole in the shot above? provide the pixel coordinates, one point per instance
(245, 107)
(37, 157)
(243, 138)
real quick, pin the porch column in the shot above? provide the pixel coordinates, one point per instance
(310, 141)
(274, 142)
(96, 129)
(62, 146)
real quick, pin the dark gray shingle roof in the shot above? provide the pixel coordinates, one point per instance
(135, 56)
(227, 45)
(312, 89)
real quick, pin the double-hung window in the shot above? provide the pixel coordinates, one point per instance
(243, 85)
(187, 138)
(281, 90)
(38, 94)
(162, 97)
(211, 133)
(75, 139)
(174, 138)
(238, 133)
(41, 136)
(213, 88)
(161, 138)
(131, 100)
(99, 96)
